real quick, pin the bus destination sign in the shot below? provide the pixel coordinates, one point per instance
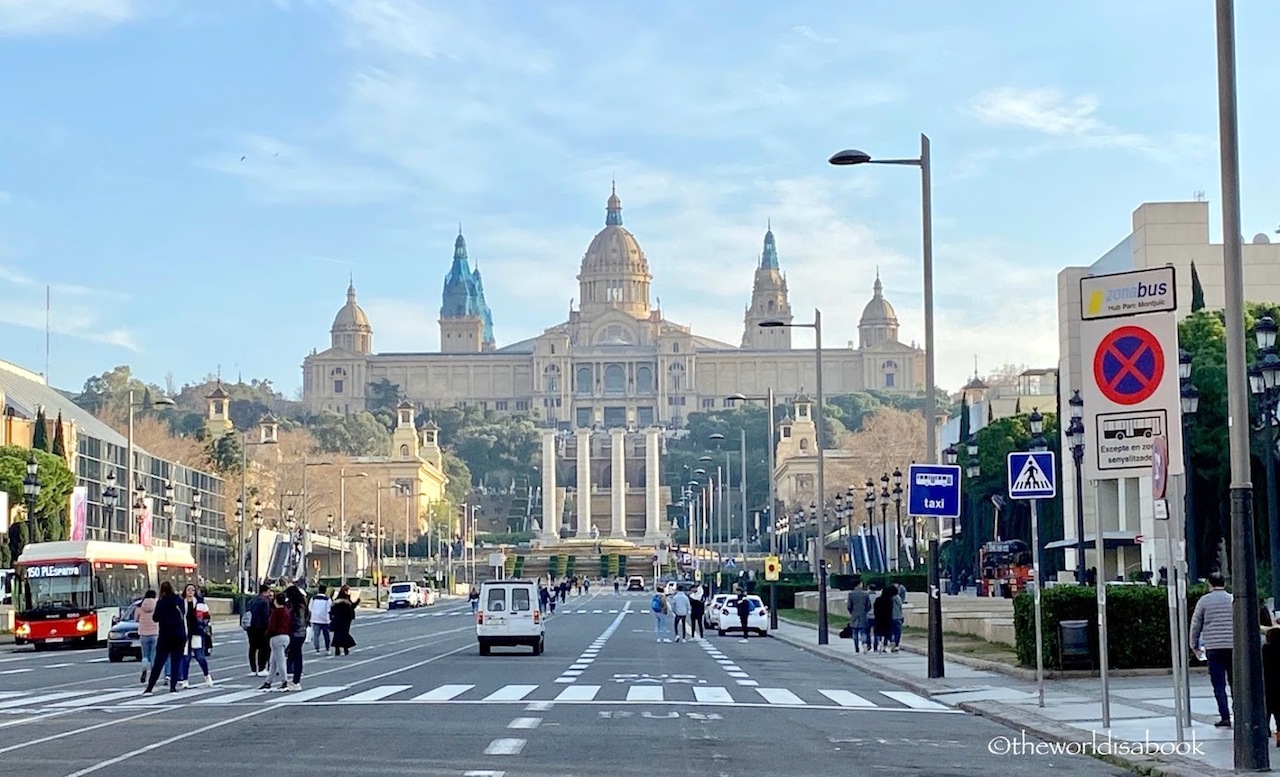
(52, 570)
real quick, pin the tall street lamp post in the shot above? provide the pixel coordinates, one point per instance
(170, 509)
(257, 542)
(242, 569)
(884, 520)
(773, 496)
(973, 470)
(129, 473)
(31, 492)
(342, 516)
(897, 514)
(855, 157)
(110, 498)
(197, 512)
(820, 421)
(952, 455)
(869, 502)
(1075, 438)
(1190, 399)
(1264, 381)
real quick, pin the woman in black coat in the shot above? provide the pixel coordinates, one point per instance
(341, 614)
(171, 645)
(883, 609)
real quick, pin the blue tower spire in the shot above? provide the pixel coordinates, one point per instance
(613, 211)
(769, 259)
(463, 294)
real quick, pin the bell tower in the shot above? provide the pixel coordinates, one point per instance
(769, 302)
(218, 421)
(404, 438)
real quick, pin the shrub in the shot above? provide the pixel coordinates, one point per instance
(1137, 623)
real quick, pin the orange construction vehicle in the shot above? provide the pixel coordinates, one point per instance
(1004, 568)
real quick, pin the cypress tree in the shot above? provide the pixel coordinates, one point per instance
(1197, 291)
(59, 440)
(40, 436)
(964, 425)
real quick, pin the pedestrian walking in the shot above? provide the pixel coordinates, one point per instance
(1211, 627)
(171, 636)
(883, 610)
(341, 615)
(543, 598)
(744, 606)
(298, 614)
(661, 609)
(873, 642)
(564, 591)
(697, 611)
(617, 584)
(197, 644)
(859, 607)
(278, 630)
(256, 633)
(320, 606)
(148, 630)
(474, 598)
(895, 625)
(680, 608)
(1271, 676)
(586, 585)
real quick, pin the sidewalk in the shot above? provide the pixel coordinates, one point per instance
(1141, 707)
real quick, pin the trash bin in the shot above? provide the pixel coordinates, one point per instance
(1073, 645)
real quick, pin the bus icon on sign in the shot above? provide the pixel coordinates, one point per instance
(933, 479)
(1128, 428)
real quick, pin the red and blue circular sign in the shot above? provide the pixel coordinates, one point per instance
(1128, 365)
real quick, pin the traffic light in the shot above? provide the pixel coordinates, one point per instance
(772, 569)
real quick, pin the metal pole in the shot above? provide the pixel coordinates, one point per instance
(1171, 597)
(936, 666)
(408, 512)
(1250, 740)
(377, 544)
(1191, 534)
(244, 516)
(1077, 455)
(132, 529)
(1100, 582)
(1035, 575)
(773, 519)
(822, 487)
(742, 489)
(1268, 409)
(342, 523)
(304, 527)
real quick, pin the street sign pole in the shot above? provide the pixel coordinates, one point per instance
(1035, 574)
(933, 491)
(1031, 476)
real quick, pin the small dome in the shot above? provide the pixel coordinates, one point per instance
(878, 311)
(351, 316)
(614, 249)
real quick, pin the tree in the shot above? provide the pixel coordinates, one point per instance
(381, 400)
(459, 486)
(1197, 291)
(357, 434)
(889, 439)
(59, 440)
(965, 431)
(224, 453)
(40, 438)
(1006, 375)
(56, 482)
(499, 449)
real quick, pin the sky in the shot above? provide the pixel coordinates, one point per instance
(197, 181)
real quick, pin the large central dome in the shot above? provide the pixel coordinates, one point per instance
(615, 274)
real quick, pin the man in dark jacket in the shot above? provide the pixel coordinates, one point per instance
(259, 643)
(859, 607)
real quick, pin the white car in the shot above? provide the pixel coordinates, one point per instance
(711, 612)
(727, 619)
(508, 616)
(405, 595)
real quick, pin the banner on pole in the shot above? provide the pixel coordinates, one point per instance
(144, 522)
(79, 512)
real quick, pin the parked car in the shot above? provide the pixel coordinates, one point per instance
(635, 583)
(404, 595)
(123, 640)
(711, 612)
(727, 616)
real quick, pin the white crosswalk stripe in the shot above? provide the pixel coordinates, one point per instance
(746, 692)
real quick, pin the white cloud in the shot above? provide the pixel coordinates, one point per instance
(805, 31)
(58, 17)
(75, 311)
(402, 325)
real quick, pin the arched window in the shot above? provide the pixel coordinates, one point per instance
(583, 380)
(804, 443)
(890, 369)
(644, 379)
(771, 306)
(615, 379)
(404, 451)
(551, 379)
(339, 379)
(675, 377)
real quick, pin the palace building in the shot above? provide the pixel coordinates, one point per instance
(616, 362)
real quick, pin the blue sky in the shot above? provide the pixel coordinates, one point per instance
(198, 180)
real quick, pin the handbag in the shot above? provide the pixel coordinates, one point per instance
(846, 632)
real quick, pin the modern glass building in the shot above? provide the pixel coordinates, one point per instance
(97, 450)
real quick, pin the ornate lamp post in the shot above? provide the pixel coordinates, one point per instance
(1190, 404)
(869, 502)
(257, 540)
(110, 498)
(1264, 381)
(170, 509)
(951, 455)
(197, 512)
(31, 492)
(1075, 438)
(139, 507)
(973, 470)
(897, 515)
(884, 519)
(242, 571)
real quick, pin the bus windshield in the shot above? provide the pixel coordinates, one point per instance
(53, 587)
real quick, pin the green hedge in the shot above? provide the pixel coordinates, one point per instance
(1137, 623)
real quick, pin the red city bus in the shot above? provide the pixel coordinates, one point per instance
(69, 592)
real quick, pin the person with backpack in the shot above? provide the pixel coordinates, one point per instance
(278, 627)
(254, 622)
(320, 606)
(197, 622)
(660, 609)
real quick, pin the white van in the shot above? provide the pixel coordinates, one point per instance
(404, 595)
(508, 616)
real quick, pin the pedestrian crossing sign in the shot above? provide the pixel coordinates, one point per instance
(1031, 475)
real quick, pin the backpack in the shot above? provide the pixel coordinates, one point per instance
(246, 619)
(655, 604)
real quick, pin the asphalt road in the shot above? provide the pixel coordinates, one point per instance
(416, 698)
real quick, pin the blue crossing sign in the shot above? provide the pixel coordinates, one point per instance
(933, 490)
(1031, 475)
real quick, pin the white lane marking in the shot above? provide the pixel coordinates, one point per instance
(443, 693)
(231, 698)
(572, 673)
(297, 697)
(502, 747)
(17, 671)
(579, 693)
(913, 701)
(10, 694)
(538, 706)
(779, 696)
(847, 698)
(380, 692)
(89, 701)
(152, 700)
(712, 695)
(166, 742)
(596, 612)
(566, 679)
(739, 675)
(511, 693)
(97, 660)
(41, 699)
(751, 683)
(57, 666)
(77, 731)
(525, 723)
(645, 693)
(481, 773)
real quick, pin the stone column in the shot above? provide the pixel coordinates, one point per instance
(550, 513)
(584, 482)
(618, 488)
(652, 484)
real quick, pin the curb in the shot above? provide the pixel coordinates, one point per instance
(1049, 731)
